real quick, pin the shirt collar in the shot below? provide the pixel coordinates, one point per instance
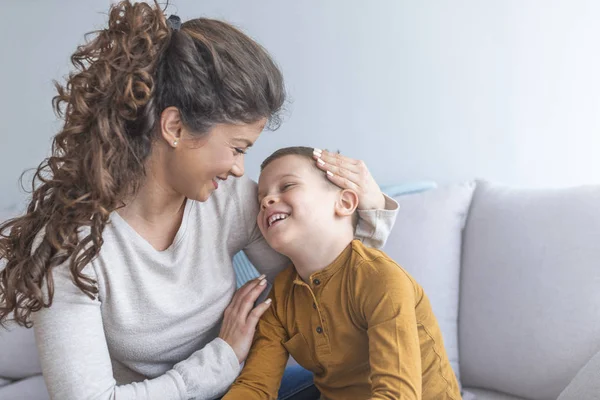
(321, 277)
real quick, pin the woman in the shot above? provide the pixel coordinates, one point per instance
(123, 259)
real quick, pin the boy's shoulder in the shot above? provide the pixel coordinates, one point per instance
(375, 264)
(363, 256)
(365, 253)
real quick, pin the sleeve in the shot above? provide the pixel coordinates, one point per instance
(385, 297)
(261, 376)
(374, 226)
(373, 229)
(76, 363)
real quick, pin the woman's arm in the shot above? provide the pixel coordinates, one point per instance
(76, 362)
(374, 226)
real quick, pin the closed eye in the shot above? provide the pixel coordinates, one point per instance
(287, 186)
(239, 150)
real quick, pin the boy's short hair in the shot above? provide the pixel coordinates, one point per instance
(306, 152)
(302, 151)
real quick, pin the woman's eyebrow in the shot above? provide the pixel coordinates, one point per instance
(246, 142)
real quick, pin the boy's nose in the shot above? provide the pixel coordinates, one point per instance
(268, 201)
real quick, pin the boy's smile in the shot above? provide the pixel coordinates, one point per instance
(275, 217)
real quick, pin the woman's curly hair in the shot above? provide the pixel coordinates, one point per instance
(124, 77)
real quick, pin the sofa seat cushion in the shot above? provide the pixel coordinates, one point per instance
(17, 347)
(482, 394)
(32, 388)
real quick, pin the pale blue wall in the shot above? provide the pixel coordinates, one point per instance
(445, 90)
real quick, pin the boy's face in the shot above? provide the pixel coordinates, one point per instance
(296, 203)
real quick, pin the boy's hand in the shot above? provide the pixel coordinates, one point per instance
(349, 173)
(240, 319)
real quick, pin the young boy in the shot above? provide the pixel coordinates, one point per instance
(346, 312)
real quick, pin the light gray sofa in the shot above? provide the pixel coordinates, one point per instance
(513, 276)
(514, 279)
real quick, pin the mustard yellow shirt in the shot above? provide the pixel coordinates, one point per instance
(362, 325)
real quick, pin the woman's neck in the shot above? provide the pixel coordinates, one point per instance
(155, 212)
(152, 203)
(155, 199)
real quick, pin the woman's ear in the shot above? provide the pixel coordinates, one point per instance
(347, 203)
(171, 126)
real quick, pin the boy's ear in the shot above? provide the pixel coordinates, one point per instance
(347, 203)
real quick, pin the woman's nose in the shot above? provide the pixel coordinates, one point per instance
(237, 169)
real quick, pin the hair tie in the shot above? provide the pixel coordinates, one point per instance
(174, 22)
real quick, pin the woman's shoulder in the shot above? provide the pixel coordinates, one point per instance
(229, 214)
(241, 191)
(234, 201)
(243, 188)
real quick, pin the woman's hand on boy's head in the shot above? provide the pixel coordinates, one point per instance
(349, 173)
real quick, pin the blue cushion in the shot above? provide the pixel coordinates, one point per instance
(408, 188)
(244, 270)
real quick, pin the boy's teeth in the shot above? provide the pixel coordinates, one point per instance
(276, 217)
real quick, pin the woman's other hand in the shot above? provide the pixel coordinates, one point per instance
(241, 317)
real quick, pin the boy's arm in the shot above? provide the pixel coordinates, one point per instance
(385, 296)
(261, 376)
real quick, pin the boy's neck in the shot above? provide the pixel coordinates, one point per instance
(316, 257)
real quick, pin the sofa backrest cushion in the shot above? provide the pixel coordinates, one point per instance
(530, 288)
(426, 241)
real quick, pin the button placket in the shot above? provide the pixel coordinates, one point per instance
(316, 282)
(321, 338)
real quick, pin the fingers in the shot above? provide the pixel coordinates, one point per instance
(342, 182)
(349, 168)
(339, 171)
(241, 293)
(250, 298)
(257, 312)
(337, 160)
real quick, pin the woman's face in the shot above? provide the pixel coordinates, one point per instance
(195, 166)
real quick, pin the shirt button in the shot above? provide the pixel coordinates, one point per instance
(317, 282)
(319, 330)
